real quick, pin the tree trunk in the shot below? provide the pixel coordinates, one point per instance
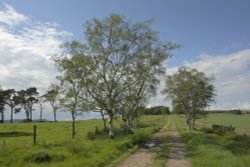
(27, 115)
(11, 115)
(129, 130)
(189, 123)
(193, 124)
(41, 115)
(30, 115)
(104, 121)
(111, 127)
(73, 126)
(54, 115)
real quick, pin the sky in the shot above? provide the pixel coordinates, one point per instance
(214, 36)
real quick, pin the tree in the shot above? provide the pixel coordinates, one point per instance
(11, 101)
(53, 97)
(191, 91)
(26, 99)
(41, 101)
(119, 56)
(72, 96)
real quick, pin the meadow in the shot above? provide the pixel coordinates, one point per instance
(239, 121)
(206, 149)
(93, 148)
(55, 147)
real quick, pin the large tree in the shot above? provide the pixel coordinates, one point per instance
(191, 91)
(11, 101)
(119, 60)
(26, 99)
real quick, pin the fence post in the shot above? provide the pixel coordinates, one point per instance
(34, 134)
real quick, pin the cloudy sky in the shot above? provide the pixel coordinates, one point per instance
(214, 37)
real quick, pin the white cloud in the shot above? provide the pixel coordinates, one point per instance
(232, 73)
(26, 47)
(11, 17)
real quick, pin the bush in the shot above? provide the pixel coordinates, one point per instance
(124, 146)
(39, 157)
(139, 138)
(91, 135)
(207, 130)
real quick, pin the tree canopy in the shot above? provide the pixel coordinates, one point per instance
(190, 91)
(118, 65)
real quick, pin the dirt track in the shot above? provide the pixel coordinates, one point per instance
(144, 157)
(177, 153)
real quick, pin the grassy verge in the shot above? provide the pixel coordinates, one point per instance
(208, 149)
(56, 148)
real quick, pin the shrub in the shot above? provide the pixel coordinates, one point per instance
(91, 135)
(39, 157)
(139, 138)
(124, 146)
(207, 130)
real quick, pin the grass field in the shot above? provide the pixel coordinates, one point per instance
(210, 149)
(239, 121)
(56, 148)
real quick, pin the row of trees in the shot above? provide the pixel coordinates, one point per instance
(25, 100)
(156, 110)
(17, 100)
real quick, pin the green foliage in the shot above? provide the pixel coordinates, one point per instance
(190, 91)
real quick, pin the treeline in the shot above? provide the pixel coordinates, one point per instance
(238, 112)
(25, 100)
(157, 110)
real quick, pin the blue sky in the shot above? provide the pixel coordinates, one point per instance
(214, 27)
(214, 36)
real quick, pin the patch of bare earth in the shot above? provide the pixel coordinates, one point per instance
(144, 157)
(177, 154)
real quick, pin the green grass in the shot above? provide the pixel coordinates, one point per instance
(209, 149)
(55, 147)
(239, 121)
